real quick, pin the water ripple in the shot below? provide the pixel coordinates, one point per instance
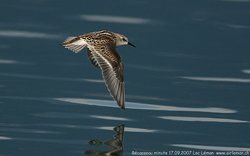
(27, 34)
(246, 71)
(8, 61)
(127, 129)
(213, 148)
(217, 79)
(28, 76)
(201, 119)
(110, 118)
(237, 26)
(5, 138)
(4, 61)
(134, 97)
(130, 129)
(143, 106)
(114, 19)
(24, 130)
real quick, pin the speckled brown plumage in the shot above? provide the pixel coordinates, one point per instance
(102, 53)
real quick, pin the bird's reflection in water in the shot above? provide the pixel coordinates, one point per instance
(116, 143)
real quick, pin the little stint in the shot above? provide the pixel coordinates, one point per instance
(102, 53)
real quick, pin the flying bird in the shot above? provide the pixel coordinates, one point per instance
(102, 53)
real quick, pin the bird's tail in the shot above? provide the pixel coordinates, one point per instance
(69, 40)
(72, 44)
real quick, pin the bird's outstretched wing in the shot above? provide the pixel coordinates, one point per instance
(92, 59)
(112, 70)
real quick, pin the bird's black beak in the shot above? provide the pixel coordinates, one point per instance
(131, 44)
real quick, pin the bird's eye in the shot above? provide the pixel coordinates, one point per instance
(124, 39)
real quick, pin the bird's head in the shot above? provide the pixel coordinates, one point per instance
(122, 40)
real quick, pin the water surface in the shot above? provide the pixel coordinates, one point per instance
(187, 82)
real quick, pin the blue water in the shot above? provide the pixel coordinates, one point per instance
(187, 82)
